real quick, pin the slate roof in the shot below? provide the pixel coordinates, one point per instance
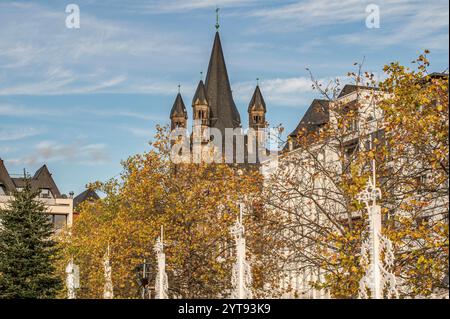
(87, 195)
(178, 108)
(349, 88)
(316, 115)
(42, 179)
(257, 102)
(200, 94)
(223, 111)
(5, 179)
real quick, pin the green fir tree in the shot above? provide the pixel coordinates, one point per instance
(27, 249)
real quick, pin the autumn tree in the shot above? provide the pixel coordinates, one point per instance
(401, 125)
(196, 204)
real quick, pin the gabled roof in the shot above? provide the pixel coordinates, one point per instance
(349, 88)
(224, 113)
(316, 115)
(87, 195)
(257, 102)
(42, 179)
(200, 94)
(5, 179)
(178, 108)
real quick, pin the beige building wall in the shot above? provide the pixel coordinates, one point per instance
(61, 208)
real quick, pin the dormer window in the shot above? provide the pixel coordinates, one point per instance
(46, 193)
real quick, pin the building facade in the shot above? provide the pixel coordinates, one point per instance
(306, 183)
(59, 206)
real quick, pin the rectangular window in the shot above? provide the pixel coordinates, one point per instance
(46, 193)
(59, 221)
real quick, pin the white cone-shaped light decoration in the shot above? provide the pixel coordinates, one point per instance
(72, 279)
(378, 278)
(161, 283)
(108, 292)
(242, 276)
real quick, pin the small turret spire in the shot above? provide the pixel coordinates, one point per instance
(217, 19)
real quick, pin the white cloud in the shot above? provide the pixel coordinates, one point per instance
(55, 112)
(314, 12)
(17, 133)
(76, 152)
(171, 6)
(427, 25)
(294, 91)
(138, 131)
(402, 21)
(40, 56)
(7, 149)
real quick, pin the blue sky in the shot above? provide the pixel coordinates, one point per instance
(81, 100)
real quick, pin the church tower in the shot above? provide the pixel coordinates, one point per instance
(178, 114)
(214, 112)
(200, 107)
(257, 111)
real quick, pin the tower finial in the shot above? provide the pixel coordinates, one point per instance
(257, 81)
(201, 75)
(179, 88)
(217, 19)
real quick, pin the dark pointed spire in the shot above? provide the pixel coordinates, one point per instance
(178, 108)
(257, 102)
(224, 113)
(200, 94)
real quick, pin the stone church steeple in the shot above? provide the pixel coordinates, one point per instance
(200, 107)
(178, 114)
(257, 110)
(213, 107)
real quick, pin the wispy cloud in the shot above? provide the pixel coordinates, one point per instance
(427, 25)
(402, 21)
(7, 149)
(42, 57)
(140, 132)
(173, 6)
(313, 13)
(34, 112)
(280, 91)
(8, 133)
(76, 152)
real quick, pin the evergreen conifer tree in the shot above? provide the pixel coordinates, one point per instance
(27, 250)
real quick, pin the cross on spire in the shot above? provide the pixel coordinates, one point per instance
(217, 19)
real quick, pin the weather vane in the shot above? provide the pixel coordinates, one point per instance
(217, 19)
